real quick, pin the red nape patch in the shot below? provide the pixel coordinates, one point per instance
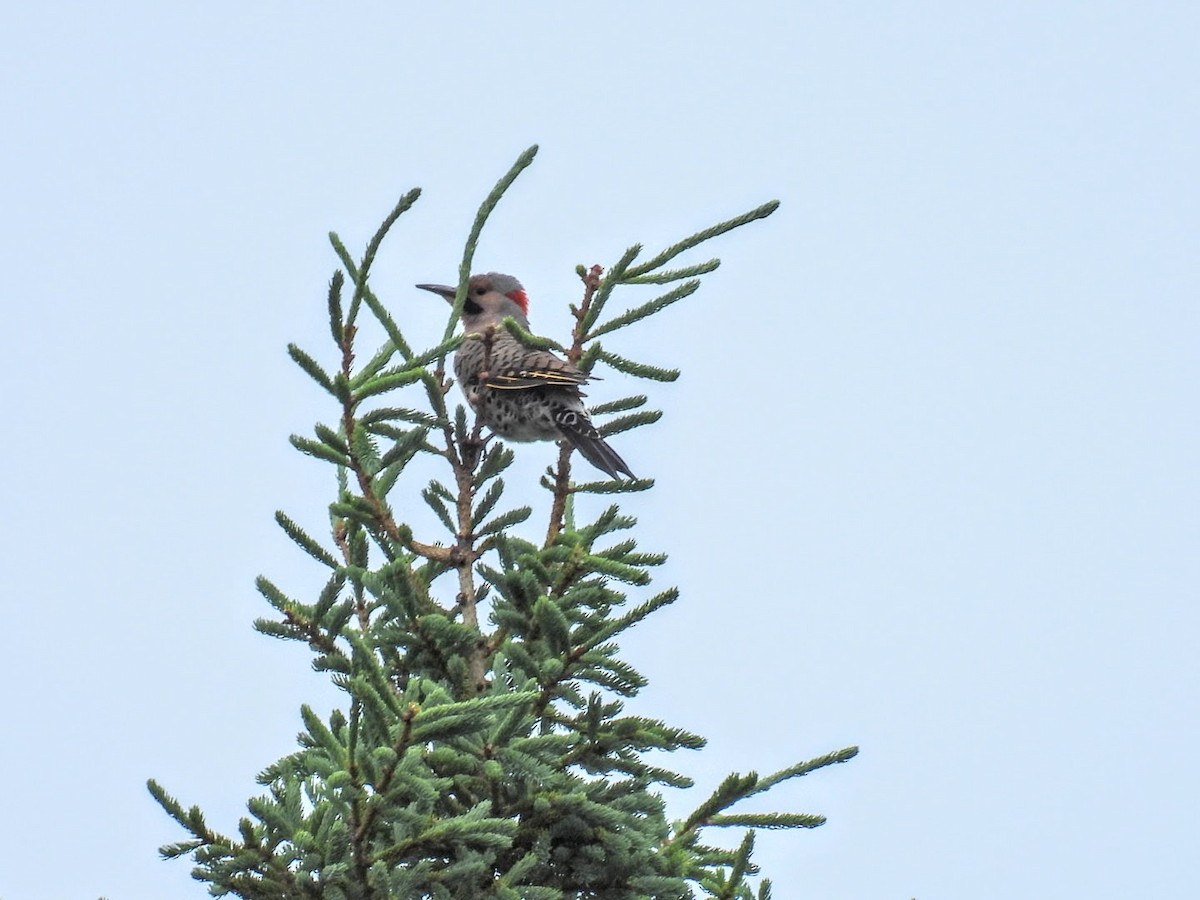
(519, 298)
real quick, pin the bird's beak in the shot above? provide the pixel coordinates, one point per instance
(446, 291)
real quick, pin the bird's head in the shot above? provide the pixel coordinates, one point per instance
(490, 298)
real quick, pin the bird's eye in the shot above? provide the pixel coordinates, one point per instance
(479, 292)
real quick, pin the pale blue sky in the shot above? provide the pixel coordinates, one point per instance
(943, 403)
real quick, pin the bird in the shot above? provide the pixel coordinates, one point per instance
(521, 393)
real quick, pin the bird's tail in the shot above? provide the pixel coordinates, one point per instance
(582, 435)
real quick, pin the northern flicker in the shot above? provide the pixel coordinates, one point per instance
(520, 393)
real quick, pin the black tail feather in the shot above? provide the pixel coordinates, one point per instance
(582, 435)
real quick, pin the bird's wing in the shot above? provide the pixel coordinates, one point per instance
(542, 369)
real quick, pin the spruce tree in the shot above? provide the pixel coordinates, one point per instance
(483, 750)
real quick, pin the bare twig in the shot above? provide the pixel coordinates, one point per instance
(562, 473)
(465, 556)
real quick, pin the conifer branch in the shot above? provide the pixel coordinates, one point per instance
(646, 309)
(395, 338)
(359, 276)
(336, 320)
(310, 366)
(804, 768)
(481, 217)
(532, 341)
(766, 820)
(669, 275)
(760, 212)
